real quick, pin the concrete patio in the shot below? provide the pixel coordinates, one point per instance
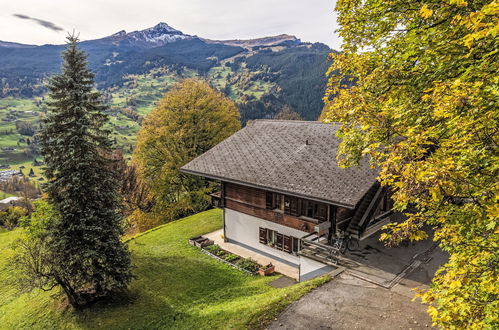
(280, 267)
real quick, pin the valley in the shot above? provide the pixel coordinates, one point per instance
(133, 71)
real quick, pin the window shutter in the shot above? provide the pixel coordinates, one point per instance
(269, 200)
(279, 242)
(263, 235)
(287, 244)
(296, 244)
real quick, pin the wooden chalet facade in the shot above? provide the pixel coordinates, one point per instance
(307, 215)
(281, 189)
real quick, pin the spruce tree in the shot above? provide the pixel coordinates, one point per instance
(89, 259)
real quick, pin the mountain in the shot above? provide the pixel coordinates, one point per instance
(159, 35)
(288, 71)
(259, 42)
(7, 44)
(134, 69)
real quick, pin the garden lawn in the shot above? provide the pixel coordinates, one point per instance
(177, 286)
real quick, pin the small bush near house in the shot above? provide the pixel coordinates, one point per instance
(215, 249)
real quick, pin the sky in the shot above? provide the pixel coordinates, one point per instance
(48, 21)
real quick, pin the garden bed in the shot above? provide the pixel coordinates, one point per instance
(200, 241)
(246, 265)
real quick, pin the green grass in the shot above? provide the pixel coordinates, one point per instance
(177, 287)
(4, 195)
(142, 91)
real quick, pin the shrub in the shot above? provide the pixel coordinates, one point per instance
(25, 128)
(10, 217)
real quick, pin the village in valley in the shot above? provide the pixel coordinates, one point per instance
(157, 179)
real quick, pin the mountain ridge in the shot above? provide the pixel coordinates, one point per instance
(155, 36)
(262, 74)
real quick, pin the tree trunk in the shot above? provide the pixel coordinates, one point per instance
(70, 294)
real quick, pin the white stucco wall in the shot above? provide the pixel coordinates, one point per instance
(310, 268)
(241, 228)
(244, 229)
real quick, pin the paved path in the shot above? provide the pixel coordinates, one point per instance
(376, 293)
(348, 302)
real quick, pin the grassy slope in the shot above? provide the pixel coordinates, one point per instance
(176, 287)
(17, 157)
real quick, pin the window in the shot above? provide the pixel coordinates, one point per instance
(314, 210)
(271, 237)
(269, 200)
(278, 202)
(273, 201)
(295, 206)
(291, 205)
(279, 241)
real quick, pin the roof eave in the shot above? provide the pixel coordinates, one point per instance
(243, 183)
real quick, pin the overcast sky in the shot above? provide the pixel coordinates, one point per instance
(41, 22)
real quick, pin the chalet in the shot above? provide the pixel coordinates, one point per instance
(283, 194)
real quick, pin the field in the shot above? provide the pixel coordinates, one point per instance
(12, 110)
(177, 287)
(138, 95)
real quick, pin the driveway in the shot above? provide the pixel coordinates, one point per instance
(373, 292)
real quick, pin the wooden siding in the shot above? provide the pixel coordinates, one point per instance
(270, 215)
(247, 195)
(252, 201)
(256, 202)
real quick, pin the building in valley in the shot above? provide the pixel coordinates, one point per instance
(284, 195)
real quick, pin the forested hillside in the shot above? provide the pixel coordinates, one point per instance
(133, 71)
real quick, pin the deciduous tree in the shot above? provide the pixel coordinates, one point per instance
(425, 108)
(286, 113)
(188, 121)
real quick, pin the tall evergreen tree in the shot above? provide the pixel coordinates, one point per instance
(89, 259)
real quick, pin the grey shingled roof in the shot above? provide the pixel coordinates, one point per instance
(274, 155)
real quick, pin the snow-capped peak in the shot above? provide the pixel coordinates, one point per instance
(163, 27)
(155, 36)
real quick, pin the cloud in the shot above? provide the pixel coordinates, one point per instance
(47, 24)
